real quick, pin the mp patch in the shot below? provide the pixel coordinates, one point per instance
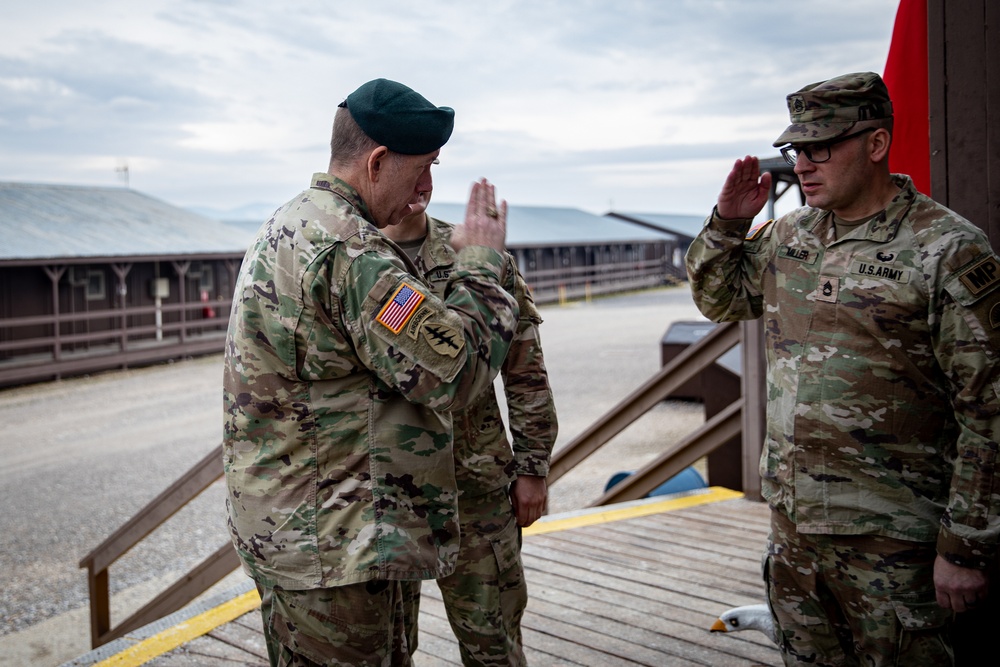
(981, 276)
(397, 312)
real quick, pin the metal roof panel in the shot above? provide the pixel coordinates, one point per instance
(42, 221)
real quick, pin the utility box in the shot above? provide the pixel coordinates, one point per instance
(159, 288)
(716, 387)
(679, 337)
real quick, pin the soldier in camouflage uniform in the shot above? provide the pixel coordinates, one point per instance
(500, 488)
(340, 370)
(882, 317)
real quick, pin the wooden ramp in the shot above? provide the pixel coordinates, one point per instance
(633, 584)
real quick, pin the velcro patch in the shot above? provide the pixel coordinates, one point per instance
(755, 231)
(798, 254)
(982, 276)
(400, 308)
(828, 290)
(444, 339)
(414, 326)
(868, 269)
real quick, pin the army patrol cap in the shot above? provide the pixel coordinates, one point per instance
(399, 118)
(825, 110)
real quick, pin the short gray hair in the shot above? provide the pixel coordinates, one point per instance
(348, 142)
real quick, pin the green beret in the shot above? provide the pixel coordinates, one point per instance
(400, 118)
(825, 110)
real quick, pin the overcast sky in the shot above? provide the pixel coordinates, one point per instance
(627, 104)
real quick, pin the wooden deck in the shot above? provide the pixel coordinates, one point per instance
(638, 584)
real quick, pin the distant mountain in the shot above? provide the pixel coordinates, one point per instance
(257, 211)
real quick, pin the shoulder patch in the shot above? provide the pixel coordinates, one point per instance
(755, 231)
(981, 276)
(444, 339)
(400, 308)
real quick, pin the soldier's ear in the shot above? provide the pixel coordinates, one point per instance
(376, 163)
(880, 141)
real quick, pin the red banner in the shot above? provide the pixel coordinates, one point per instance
(906, 77)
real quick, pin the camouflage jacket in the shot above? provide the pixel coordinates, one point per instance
(483, 457)
(883, 368)
(340, 370)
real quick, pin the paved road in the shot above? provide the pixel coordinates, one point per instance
(81, 456)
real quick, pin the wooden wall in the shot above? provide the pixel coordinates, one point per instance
(964, 77)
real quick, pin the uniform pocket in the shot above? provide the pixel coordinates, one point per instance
(507, 545)
(916, 616)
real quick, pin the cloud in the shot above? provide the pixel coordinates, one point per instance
(223, 103)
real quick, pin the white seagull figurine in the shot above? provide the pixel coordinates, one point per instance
(750, 617)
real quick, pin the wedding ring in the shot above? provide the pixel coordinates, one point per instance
(491, 211)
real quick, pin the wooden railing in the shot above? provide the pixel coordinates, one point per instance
(187, 588)
(574, 282)
(112, 338)
(745, 414)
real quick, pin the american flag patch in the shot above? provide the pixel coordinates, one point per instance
(754, 231)
(400, 308)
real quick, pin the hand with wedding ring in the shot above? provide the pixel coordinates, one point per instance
(485, 222)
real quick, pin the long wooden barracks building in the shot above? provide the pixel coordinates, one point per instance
(99, 278)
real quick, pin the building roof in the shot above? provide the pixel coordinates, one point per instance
(683, 225)
(553, 226)
(62, 221)
(43, 221)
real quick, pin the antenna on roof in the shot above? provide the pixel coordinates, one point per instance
(122, 171)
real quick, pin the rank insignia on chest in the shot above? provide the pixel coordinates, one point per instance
(827, 290)
(400, 308)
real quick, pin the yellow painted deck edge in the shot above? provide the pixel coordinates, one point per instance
(714, 494)
(182, 633)
(202, 624)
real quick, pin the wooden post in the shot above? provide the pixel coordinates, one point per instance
(754, 380)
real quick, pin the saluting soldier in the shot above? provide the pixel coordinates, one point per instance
(881, 312)
(340, 370)
(501, 483)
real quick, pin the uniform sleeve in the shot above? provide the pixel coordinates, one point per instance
(531, 411)
(966, 346)
(723, 265)
(441, 353)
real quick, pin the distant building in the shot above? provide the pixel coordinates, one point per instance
(98, 278)
(95, 278)
(684, 227)
(569, 253)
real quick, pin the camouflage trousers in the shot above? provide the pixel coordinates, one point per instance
(851, 600)
(358, 625)
(486, 595)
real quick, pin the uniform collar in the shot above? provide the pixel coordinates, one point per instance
(324, 181)
(436, 251)
(884, 227)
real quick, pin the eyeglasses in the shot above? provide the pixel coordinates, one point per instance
(817, 153)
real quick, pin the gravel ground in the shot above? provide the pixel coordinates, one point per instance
(81, 456)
